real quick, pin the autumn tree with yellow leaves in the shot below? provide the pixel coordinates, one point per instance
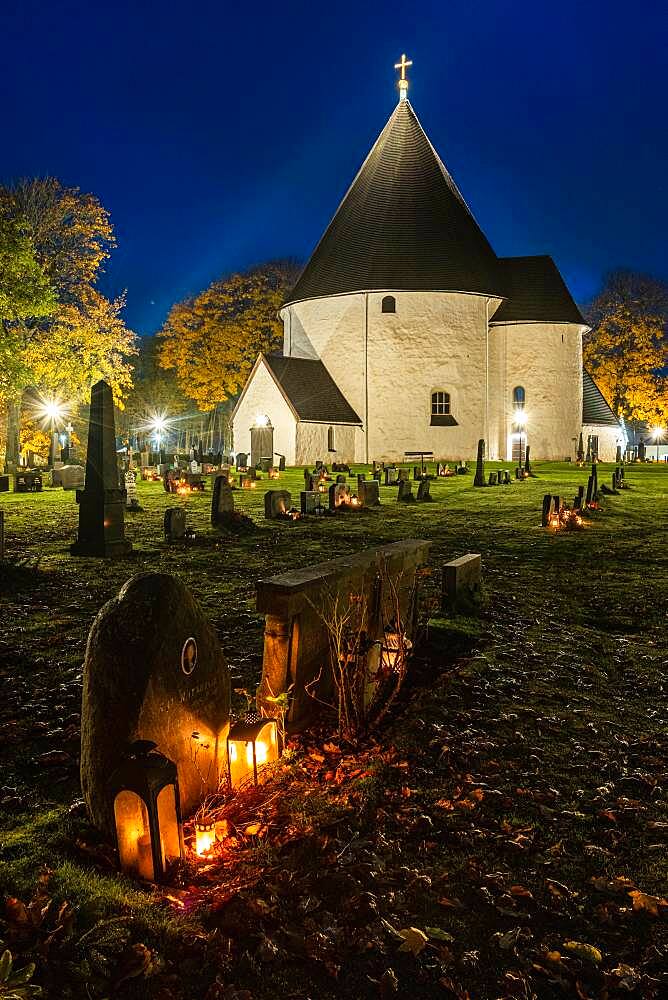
(626, 350)
(79, 336)
(211, 341)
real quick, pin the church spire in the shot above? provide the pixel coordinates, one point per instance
(403, 82)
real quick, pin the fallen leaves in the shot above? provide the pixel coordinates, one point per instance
(415, 940)
(588, 952)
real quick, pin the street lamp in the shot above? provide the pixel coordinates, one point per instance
(657, 434)
(52, 411)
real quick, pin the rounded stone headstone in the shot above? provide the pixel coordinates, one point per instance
(154, 670)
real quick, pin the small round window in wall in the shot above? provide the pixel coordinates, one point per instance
(189, 655)
(389, 304)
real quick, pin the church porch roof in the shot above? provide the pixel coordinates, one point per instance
(595, 408)
(310, 390)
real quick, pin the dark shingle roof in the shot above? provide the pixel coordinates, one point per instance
(311, 389)
(536, 292)
(402, 225)
(595, 409)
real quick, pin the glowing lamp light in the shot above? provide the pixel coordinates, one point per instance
(145, 795)
(251, 746)
(205, 836)
(261, 420)
(394, 651)
(658, 432)
(520, 417)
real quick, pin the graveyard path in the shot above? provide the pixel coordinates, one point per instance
(514, 803)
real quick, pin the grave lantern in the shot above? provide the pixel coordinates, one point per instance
(251, 745)
(205, 835)
(145, 793)
(394, 651)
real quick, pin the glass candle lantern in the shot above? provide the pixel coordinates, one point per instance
(395, 649)
(251, 746)
(205, 836)
(145, 793)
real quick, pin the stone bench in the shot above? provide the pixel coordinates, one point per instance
(296, 640)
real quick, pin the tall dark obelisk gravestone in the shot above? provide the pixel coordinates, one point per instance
(479, 479)
(101, 527)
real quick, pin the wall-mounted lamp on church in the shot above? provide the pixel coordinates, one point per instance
(251, 746)
(145, 792)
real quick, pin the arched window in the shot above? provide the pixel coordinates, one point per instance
(389, 304)
(440, 403)
(330, 440)
(441, 415)
(519, 396)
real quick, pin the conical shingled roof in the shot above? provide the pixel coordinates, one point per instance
(403, 225)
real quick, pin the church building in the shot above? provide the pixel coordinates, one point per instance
(406, 332)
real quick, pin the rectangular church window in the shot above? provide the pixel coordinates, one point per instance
(440, 410)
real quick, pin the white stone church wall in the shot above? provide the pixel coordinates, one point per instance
(546, 360)
(312, 441)
(608, 439)
(264, 397)
(434, 341)
(332, 329)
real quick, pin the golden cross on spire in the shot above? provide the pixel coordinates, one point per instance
(403, 82)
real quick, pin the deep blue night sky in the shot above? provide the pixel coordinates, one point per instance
(221, 135)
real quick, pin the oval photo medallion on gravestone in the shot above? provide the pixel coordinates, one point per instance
(189, 655)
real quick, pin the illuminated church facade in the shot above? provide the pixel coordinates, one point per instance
(406, 332)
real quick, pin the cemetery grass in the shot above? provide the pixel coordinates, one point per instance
(516, 800)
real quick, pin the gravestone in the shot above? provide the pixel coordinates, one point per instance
(70, 477)
(391, 475)
(462, 469)
(480, 465)
(131, 498)
(590, 490)
(580, 450)
(265, 464)
(461, 580)
(339, 494)
(368, 493)
(546, 511)
(308, 480)
(405, 494)
(403, 475)
(519, 472)
(340, 478)
(154, 670)
(527, 460)
(276, 504)
(101, 526)
(361, 478)
(297, 643)
(618, 454)
(378, 475)
(492, 479)
(506, 477)
(222, 501)
(309, 502)
(281, 462)
(4, 484)
(241, 460)
(579, 498)
(27, 482)
(175, 524)
(423, 494)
